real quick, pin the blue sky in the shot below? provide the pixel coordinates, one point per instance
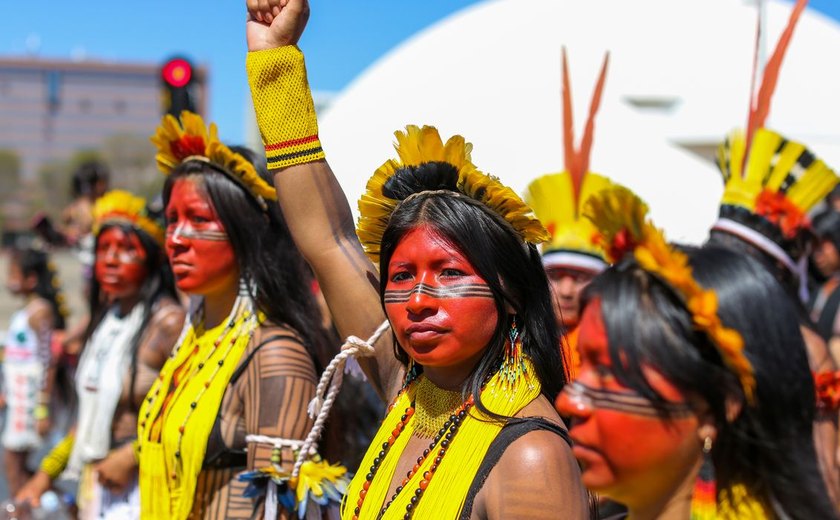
(342, 39)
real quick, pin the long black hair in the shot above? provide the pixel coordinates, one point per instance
(159, 283)
(264, 250)
(35, 261)
(769, 447)
(512, 269)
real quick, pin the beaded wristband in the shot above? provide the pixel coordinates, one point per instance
(56, 460)
(284, 107)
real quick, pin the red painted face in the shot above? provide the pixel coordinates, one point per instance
(441, 310)
(199, 251)
(120, 264)
(628, 453)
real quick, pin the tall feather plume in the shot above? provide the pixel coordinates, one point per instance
(577, 159)
(761, 106)
(586, 144)
(569, 128)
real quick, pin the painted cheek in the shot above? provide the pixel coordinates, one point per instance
(469, 323)
(120, 265)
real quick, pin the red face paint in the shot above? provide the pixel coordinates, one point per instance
(627, 452)
(441, 310)
(199, 251)
(120, 264)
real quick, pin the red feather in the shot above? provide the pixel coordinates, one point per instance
(586, 144)
(759, 112)
(568, 121)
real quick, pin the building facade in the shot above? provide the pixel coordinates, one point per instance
(50, 109)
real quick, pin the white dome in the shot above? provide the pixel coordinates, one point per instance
(492, 73)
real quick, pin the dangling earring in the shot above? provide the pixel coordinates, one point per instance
(410, 373)
(512, 364)
(704, 498)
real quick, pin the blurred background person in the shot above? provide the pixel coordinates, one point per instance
(28, 368)
(135, 321)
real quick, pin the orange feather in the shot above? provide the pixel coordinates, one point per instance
(759, 112)
(586, 144)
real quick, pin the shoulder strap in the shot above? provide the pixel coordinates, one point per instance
(514, 429)
(242, 366)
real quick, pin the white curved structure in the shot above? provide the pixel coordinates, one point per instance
(492, 73)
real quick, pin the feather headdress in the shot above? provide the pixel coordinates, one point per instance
(622, 218)
(122, 207)
(416, 146)
(558, 198)
(190, 139)
(766, 175)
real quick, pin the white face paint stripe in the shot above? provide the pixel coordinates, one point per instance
(185, 232)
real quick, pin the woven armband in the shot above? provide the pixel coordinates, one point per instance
(56, 460)
(284, 107)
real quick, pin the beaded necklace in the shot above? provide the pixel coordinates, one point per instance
(248, 322)
(444, 436)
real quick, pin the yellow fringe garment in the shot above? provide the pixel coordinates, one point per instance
(163, 497)
(447, 490)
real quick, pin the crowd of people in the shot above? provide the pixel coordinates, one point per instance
(552, 356)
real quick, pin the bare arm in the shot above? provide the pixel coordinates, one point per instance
(319, 217)
(536, 478)
(825, 426)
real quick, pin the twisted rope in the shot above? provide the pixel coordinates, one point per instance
(319, 408)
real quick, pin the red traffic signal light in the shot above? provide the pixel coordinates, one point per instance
(177, 72)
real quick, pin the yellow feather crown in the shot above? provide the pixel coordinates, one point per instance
(416, 146)
(782, 180)
(122, 207)
(190, 139)
(621, 217)
(555, 204)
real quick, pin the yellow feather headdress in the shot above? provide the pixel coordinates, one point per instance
(190, 139)
(416, 146)
(767, 175)
(122, 207)
(558, 198)
(622, 218)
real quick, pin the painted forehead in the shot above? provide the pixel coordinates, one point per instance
(427, 241)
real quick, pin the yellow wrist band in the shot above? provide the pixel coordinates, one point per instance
(56, 460)
(284, 107)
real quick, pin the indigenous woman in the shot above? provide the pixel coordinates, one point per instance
(691, 401)
(770, 185)
(571, 259)
(245, 363)
(470, 432)
(135, 322)
(28, 369)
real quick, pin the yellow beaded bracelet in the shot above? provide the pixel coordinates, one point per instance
(284, 107)
(56, 460)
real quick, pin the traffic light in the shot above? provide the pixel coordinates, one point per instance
(178, 78)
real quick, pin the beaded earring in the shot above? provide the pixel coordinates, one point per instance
(704, 497)
(411, 373)
(513, 366)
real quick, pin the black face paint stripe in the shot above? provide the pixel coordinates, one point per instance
(631, 403)
(449, 291)
(191, 234)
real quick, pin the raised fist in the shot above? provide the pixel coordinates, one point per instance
(275, 23)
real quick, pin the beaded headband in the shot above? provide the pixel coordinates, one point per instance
(416, 146)
(121, 207)
(191, 140)
(621, 217)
